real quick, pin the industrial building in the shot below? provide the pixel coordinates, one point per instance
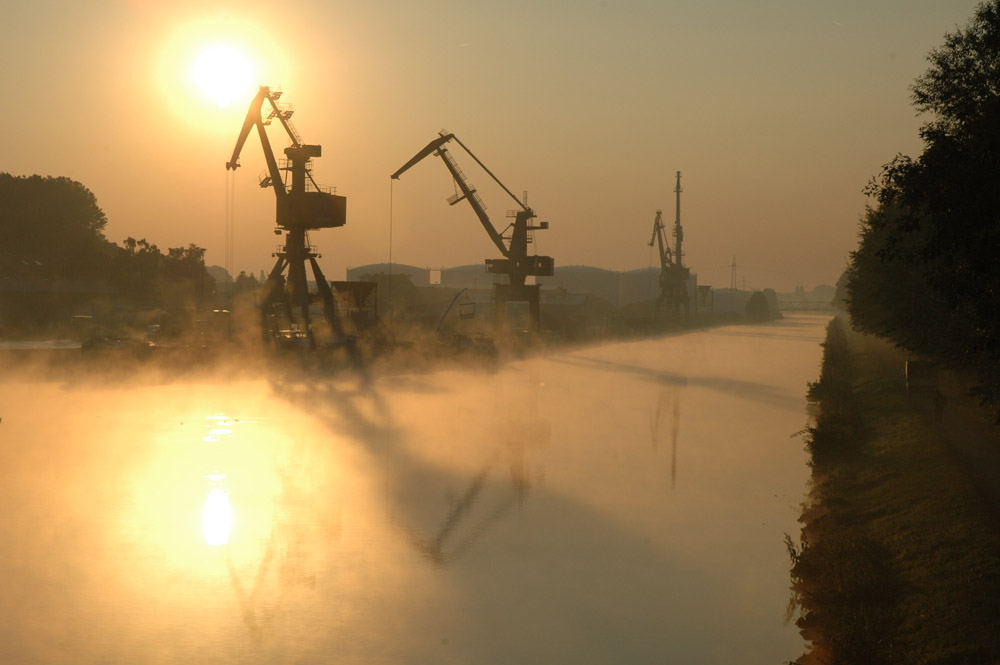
(615, 288)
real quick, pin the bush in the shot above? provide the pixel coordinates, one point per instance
(838, 431)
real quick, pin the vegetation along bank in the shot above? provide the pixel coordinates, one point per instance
(899, 560)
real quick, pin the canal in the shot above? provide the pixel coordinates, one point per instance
(617, 503)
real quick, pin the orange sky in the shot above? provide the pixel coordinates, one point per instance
(776, 114)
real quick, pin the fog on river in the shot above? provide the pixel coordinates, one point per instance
(616, 503)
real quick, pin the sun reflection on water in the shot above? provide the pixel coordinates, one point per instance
(217, 515)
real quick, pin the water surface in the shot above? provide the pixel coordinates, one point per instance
(616, 503)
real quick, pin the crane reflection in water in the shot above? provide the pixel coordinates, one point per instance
(519, 431)
(669, 398)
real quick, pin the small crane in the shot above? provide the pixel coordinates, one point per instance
(516, 263)
(673, 299)
(301, 205)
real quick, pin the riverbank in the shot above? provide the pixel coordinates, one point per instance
(899, 560)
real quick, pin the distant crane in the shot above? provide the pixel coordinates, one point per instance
(301, 205)
(673, 300)
(516, 263)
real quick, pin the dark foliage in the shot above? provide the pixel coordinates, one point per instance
(845, 582)
(838, 431)
(841, 298)
(926, 274)
(245, 283)
(757, 308)
(145, 275)
(848, 588)
(51, 228)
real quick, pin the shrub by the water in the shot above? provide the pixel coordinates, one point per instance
(838, 429)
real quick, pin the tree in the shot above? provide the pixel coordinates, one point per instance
(137, 269)
(51, 227)
(757, 308)
(962, 85)
(926, 272)
(245, 283)
(185, 272)
(145, 275)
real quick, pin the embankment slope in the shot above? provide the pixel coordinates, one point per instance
(899, 560)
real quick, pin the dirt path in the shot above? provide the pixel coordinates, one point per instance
(966, 428)
(976, 448)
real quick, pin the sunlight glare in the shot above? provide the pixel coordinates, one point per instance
(208, 68)
(217, 518)
(223, 73)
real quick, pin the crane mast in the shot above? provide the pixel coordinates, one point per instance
(301, 205)
(678, 229)
(516, 263)
(673, 300)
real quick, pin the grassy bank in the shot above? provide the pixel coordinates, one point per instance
(899, 559)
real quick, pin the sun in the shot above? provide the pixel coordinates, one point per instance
(223, 73)
(208, 67)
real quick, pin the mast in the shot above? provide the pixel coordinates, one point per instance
(678, 229)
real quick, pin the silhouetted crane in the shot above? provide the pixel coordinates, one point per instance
(516, 263)
(673, 299)
(301, 205)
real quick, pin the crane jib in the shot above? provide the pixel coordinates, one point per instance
(300, 206)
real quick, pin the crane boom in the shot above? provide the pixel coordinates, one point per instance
(516, 264)
(431, 147)
(495, 179)
(468, 193)
(299, 204)
(252, 120)
(666, 260)
(283, 116)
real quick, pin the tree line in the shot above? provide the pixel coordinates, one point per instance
(53, 229)
(926, 273)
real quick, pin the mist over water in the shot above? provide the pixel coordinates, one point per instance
(615, 503)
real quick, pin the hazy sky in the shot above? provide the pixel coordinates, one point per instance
(777, 113)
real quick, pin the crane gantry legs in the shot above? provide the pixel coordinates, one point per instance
(285, 302)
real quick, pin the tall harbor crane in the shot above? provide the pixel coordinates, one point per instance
(301, 205)
(673, 299)
(516, 263)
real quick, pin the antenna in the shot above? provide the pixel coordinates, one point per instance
(732, 283)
